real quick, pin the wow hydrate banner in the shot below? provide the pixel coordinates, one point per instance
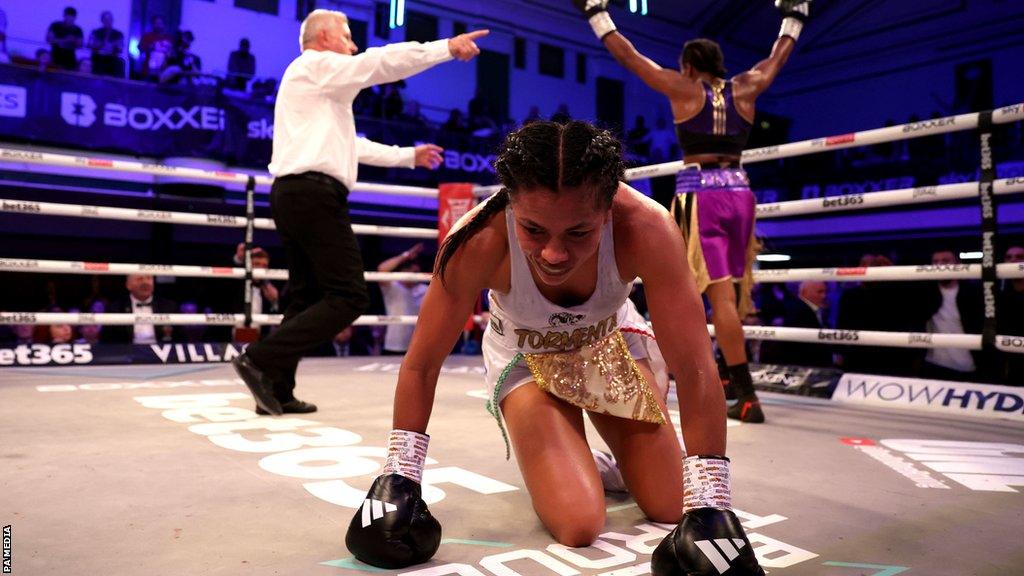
(80, 111)
(934, 395)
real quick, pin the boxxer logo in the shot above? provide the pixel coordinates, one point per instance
(77, 109)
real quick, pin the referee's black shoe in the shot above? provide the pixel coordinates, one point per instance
(258, 383)
(293, 406)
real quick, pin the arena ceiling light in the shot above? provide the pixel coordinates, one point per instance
(398, 13)
(970, 255)
(633, 7)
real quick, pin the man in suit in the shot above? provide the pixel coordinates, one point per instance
(141, 301)
(807, 311)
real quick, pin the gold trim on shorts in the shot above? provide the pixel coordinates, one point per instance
(601, 377)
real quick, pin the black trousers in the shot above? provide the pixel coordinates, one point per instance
(325, 274)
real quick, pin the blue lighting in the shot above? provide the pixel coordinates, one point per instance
(633, 7)
(397, 13)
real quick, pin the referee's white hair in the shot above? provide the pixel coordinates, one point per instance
(316, 21)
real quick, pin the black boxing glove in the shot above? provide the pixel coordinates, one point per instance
(393, 528)
(709, 540)
(596, 12)
(794, 13)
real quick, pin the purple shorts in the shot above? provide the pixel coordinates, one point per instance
(725, 217)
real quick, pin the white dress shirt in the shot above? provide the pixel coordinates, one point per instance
(314, 128)
(143, 333)
(947, 321)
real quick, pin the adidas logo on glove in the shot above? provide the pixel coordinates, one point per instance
(375, 510)
(715, 554)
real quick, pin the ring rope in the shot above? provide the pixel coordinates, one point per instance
(1007, 270)
(175, 270)
(943, 125)
(846, 202)
(221, 220)
(1005, 343)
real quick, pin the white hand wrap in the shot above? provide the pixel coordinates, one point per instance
(602, 24)
(407, 454)
(706, 483)
(791, 27)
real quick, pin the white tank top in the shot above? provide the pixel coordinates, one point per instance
(524, 320)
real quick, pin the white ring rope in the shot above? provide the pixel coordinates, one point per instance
(114, 319)
(221, 220)
(175, 270)
(887, 273)
(886, 198)
(819, 336)
(853, 274)
(969, 121)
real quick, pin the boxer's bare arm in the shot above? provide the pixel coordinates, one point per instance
(750, 84)
(667, 81)
(442, 318)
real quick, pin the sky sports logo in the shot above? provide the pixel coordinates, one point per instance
(13, 101)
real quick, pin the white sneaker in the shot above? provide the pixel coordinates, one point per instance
(611, 476)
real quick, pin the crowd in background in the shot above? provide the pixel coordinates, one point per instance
(164, 56)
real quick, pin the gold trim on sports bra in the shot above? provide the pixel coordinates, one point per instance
(718, 107)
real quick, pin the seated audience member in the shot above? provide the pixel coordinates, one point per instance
(141, 300)
(954, 307)
(265, 298)
(92, 333)
(884, 306)
(401, 298)
(806, 311)
(61, 334)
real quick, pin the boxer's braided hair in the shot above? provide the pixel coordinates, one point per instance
(556, 157)
(704, 55)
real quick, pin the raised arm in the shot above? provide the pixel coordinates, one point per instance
(390, 264)
(667, 81)
(660, 79)
(760, 77)
(397, 61)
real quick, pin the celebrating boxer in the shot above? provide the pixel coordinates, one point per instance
(713, 206)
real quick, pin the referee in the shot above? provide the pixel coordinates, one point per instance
(314, 164)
